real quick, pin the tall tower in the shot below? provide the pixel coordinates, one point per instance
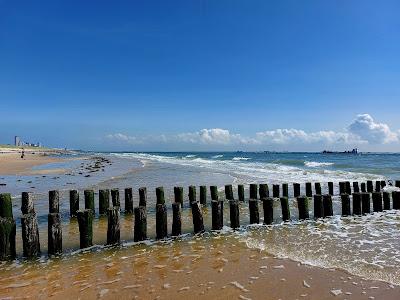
(17, 141)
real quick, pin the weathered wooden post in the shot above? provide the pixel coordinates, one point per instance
(143, 196)
(115, 198)
(73, 202)
(254, 211)
(363, 188)
(348, 187)
(234, 213)
(285, 190)
(7, 228)
(89, 200)
(396, 199)
(217, 210)
(397, 183)
(161, 215)
(214, 192)
(241, 192)
(140, 227)
(113, 227)
(356, 188)
(302, 204)
(27, 206)
(383, 184)
(318, 189)
(328, 207)
(54, 234)
(176, 219)
(386, 200)
(263, 190)
(85, 223)
(197, 216)
(30, 229)
(275, 190)
(192, 194)
(253, 191)
(203, 195)
(357, 204)
(370, 186)
(228, 192)
(377, 186)
(308, 189)
(128, 200)
(342, 187)
(104, 201)
(178, 195)
(365, 203)
(268, 208)
(345, 205)
(54, 202)
(318, 206)
(285, 209)
(377, 201)
(330, 188)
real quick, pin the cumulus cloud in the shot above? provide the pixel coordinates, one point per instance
(120, 137)
(216, 136)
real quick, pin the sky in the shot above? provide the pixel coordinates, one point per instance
(201, 75)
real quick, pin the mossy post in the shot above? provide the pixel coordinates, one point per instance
(302, 204)
(328, 207)
(197, 217)
(285, 209)
(268, 208)
(348, 187)
(377, 201)
(203, 195)
(73, 203)
(113, 227)
(396, 199)
(363, 187)
(342, 188)
(54, 202)
(253, 191)
(143, 196)
(7, 228)
(318, 189)
(386, 200)
(378, 186)
(140, 226)
(356, 188)
(370, 186)
(115, 198)
(104, 201)
(318, 206)
(54, 234)
(178, 195)
(89, 200)
(254, 211)
(309, 189)
(192, 194)
(366, 203)
(176, 219)
(214, 192)
(285, 190)
(85, 222)
(275, 191)
(128, 201)
(234, 213)
(217, 210)
(330, 188)
(357, 204)
(263, 190)
(241, 192)
(27, 206)
(345, 204)
(160, 195)
(296, 190)
(228, 192)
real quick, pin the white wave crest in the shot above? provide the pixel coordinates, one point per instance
(241, 158)
(315, 164)
(217, 156)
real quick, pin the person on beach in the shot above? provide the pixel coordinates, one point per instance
(23, 153)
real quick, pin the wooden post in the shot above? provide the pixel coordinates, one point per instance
(85, 222)
(263, 191)
(285, 209)
(285, 190)
(377, 201)
(143, 196)
(178, 195)
(356, 188)
(397, 183)
(241, 192)
(104, 201)
(377, 186)
(357, 204)
(386, 200)
(113, 227)
(30, 229)
(228, 192)
(203, 195)
(140, 227)
(342, 188)
(217, 210)
(254, 211)
(345, 205)
(318, 206)
(128, 201)
(54, 202)
(73, 202)
(161, 221)
(396, 199)
(7, 228)
(383, 184)
(253, 191)
(363, 188)
(27, 206)
(160, 195)
(54, 234)
(192, 194)
(115, 198)
(318, 189)
(234, 213)
(296, 190)
(328, 207)
(302, 204)
(197, 216)
(268, 208)
(348, 187)
(176, 219)
(89, 200)
(370, 186)
(275, 191)
(309, 189)
(365, 203)
(214, 192)
(330, 188)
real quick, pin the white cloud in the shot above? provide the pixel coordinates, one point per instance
(120, 137)
(216, 136)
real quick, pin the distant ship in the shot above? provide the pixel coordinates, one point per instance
(354, 151)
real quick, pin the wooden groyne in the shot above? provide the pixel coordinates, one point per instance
(354, 201)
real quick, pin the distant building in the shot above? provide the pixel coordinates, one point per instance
(17, 141)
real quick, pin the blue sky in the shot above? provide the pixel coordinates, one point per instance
(201, 75)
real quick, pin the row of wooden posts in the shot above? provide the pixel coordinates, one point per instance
(322, 208)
